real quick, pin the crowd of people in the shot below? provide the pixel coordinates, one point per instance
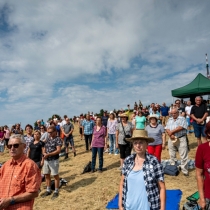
(138, 136)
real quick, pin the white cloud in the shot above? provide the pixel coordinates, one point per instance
(50, 43)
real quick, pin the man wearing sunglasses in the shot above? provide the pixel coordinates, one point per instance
(51, 160)
(20, 178)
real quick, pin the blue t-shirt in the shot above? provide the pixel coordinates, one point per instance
(164, 110)
(140, 122)
(136, 197)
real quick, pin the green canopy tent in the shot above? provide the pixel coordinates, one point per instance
(199, 86)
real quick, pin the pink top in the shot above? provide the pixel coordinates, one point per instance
(2, 134)
(99, 137)
(7, 134)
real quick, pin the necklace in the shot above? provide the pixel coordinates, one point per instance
(137, 160)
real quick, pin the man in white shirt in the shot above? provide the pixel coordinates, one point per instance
(187, 111)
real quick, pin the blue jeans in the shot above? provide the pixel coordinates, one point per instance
(112, 144)
(100, 151)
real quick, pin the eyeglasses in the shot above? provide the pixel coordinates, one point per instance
(9, 146)
(177, 103)
(41, 128)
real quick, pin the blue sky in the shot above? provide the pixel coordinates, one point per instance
(70, 57)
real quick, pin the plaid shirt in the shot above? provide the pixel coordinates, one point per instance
(88, 127)
(153, 173)
(174, 123)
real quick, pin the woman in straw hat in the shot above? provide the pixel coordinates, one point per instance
(142, 183)
(202, 163)
(123, 129)
(157, 132)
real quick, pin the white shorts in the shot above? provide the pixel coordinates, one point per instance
(51, 167)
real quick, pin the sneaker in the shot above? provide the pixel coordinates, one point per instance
(55, 195)
(47, 193)
(115, 154)
(92, 171)
(99, 171)
(66, 157)
(187, 174)
(110, 153)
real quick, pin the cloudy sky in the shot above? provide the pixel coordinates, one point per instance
(70, 57)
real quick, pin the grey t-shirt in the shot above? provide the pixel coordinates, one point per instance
(128, 129)
(44, 136)
(155, 133)
(67, 127)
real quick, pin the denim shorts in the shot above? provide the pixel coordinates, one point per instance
(199, 129)
(69, 140)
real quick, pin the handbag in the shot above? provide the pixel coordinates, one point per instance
(126, 136)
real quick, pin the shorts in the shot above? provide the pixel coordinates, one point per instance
(1, 148)
(199, 129)
(69, 140)
(51, 167)
(125, 150)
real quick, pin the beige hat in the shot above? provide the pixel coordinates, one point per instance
(123, 115)
(141, 135)
(153, 116)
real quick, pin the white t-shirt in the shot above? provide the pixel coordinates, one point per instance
(188, 110)
(63, 123)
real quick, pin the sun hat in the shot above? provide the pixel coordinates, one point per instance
(111, 112)
(123, 115)
(153, 116)
(140, 135)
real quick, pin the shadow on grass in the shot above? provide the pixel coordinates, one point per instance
(193, 145)
(82, 183)
(113, 165)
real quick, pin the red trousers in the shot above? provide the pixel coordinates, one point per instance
(155, 150)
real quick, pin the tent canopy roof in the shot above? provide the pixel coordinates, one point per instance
(199, 86)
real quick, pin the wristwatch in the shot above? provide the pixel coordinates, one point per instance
(12, 201)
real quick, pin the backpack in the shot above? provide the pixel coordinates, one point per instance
(87, 168)
(171, 170)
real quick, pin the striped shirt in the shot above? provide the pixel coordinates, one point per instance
(174, 123)
(153, 173)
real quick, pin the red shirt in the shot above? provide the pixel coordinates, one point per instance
(202, 161)
(17, 177)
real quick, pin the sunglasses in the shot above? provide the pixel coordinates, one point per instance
(51, 132)
(9, 146)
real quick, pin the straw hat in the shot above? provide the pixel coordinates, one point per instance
(140, 135)
(123, 115)
(153, 116)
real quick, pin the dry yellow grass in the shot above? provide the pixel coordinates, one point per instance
(93, 191)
